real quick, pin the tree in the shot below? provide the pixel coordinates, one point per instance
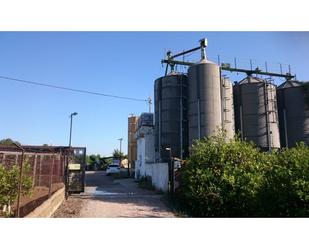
(8, 141)
(117, 154)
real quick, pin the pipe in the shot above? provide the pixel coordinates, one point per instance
(266, 117)
(181, 117)
(199, 118)
(285, 128)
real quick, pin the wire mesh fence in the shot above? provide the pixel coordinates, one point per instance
(44, 166)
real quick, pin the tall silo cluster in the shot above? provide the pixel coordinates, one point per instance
(190, 107)
(293, 103)
(197, 104)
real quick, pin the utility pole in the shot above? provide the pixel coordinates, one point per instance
(71, 116)
(150, 104)
(120, 140)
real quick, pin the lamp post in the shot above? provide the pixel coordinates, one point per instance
(171, 171)
(71, 116)
(120, 140)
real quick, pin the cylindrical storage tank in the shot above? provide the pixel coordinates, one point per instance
(204, 102)
(171, 122)
(256, 113)
(146, 119)
(293, 105)
(228, 121)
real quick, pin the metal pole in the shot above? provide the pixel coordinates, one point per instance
(150, 104)
(199, 119)
(266, 68)
(20, 179)
(70, 130)
(171, 173)
(34, 170)
(285, 129)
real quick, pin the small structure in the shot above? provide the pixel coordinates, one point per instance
(145, 149)
(132, 146)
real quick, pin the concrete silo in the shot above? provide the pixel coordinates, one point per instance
(256, 114)
(204, 102)
(293, 105)
(228, 120)
(171, 123)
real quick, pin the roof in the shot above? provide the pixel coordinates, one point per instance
(291, 83)
(252, 80)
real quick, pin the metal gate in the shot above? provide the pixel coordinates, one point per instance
(75, 170)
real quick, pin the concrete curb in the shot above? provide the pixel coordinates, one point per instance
(48, 207)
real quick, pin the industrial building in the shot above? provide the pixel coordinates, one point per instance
(198, 103)
(201, 101)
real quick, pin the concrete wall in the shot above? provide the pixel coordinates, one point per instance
(159, 175)
(145, 150)
(47, 209)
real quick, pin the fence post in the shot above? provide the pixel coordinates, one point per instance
(34, 170)
(20, 178)
(40, 171)
(51, 176)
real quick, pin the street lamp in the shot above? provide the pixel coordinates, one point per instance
(120, 140)
(171, 171)
(71, 116)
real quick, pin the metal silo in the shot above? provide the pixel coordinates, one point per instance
(228, 120)
(204, 102)
(293, 105)
(171, 123)
(256, 114)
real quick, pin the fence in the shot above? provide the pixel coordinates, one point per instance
(47, 166)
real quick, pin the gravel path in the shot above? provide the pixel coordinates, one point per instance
(108, 198)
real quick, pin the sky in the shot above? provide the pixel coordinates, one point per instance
(116, 63)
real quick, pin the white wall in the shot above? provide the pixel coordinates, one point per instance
(145, 150)
(159, 175)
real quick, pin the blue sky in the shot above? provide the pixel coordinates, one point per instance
(118, 63)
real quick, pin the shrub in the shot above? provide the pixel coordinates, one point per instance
(286, 187)
(235, 179)
(9, 184)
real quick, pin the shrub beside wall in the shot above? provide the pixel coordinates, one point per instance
(236, 179)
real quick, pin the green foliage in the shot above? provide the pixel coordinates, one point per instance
(97, 162)
(9, 179)
(285, 191)
(233, 178)
(8, 141)
(117, 154)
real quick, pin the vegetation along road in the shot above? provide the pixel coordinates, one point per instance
(107, 197)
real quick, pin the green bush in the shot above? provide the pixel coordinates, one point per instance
(9, 184)
(235, 179)
(285, 191)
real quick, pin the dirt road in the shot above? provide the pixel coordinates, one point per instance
(106, 197)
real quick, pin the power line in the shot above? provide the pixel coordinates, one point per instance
(71, 89)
